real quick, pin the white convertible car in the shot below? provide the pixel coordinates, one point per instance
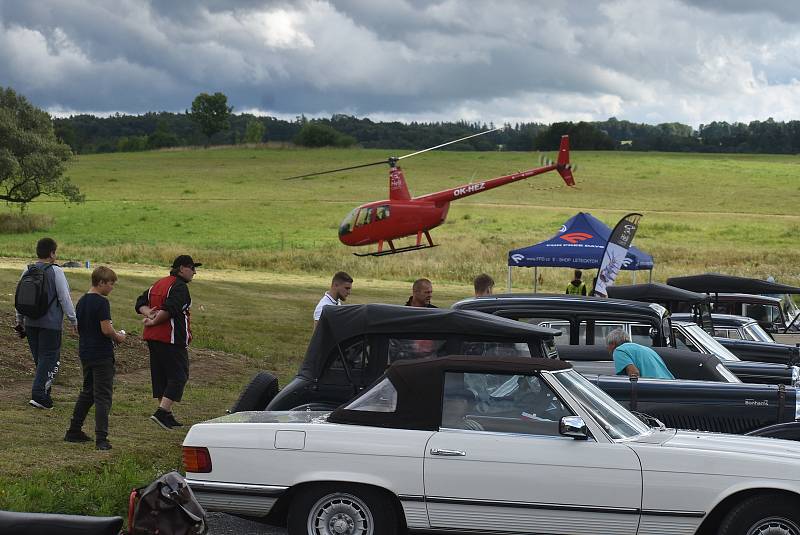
(511, 445)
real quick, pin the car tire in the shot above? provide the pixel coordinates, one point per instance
(357, 509)
(257, 394)
(765, 513)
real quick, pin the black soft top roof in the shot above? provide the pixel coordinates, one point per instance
(655, 292)
(555, 303)
(716, 283)
(339, 323)
(420, 385)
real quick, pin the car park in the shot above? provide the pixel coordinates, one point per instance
(353, 344)
(587, 321)
(490, 445)
(769, 303)
(702, 398)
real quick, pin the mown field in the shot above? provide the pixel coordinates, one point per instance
(269, 247)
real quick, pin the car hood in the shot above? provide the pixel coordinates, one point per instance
(721, 454)
(735, 444)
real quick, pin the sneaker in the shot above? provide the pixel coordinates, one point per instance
(173, 421)
(103, 445)
(161, 417)
(41, 403)
(77, 436)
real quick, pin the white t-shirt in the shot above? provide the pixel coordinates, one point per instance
(325, 301)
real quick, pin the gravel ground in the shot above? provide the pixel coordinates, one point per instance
(222, 524)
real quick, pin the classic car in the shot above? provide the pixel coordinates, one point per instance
(587, 321)
(769, 303)
(353, 344)
(490, 445)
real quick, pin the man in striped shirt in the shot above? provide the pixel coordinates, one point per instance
(168, 332)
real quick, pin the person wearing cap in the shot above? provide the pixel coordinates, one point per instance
(167, 330)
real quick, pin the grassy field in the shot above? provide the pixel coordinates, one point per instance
(269, 247)
(731, 213)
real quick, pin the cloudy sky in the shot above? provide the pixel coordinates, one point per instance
(691, 61)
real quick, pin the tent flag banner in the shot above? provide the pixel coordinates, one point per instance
(578, 244)
(616, 250)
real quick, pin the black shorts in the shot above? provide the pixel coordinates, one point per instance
(169, 369)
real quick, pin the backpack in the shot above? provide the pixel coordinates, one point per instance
(30, 299)
(167, 506)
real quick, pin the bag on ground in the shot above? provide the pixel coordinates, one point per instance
(167, 506)
(30, 299)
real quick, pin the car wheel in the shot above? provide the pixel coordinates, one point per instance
(257, 394)
(765, 514)
(341, 509)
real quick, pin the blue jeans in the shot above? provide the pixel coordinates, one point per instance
(45, 347)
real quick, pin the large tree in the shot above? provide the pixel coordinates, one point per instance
(211, 113)
(32, 159)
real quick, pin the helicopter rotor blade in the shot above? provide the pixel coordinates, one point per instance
(382, 162)
(449, 143)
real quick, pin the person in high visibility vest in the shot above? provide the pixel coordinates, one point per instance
(577, 286)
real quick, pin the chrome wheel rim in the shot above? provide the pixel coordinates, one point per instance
(340, 514)
(774, 525)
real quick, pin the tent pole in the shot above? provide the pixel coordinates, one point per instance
(509, 279)
(651, 275)
(535, 279)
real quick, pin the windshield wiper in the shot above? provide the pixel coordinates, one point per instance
(651, 421)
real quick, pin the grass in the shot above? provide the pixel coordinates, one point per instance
(733, 213)
(269, 247)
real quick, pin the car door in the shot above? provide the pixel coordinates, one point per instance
(498, 464)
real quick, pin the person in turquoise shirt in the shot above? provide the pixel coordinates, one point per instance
(633, 359)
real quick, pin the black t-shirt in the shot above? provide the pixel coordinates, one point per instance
(93, 344)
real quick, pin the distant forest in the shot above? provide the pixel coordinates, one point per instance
(90, 134)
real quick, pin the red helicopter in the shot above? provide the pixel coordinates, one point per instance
(400, 215)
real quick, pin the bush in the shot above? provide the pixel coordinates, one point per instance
(321, 135)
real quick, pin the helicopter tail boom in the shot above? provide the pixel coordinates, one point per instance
(563, 166)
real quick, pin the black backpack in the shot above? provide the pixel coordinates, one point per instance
(30, 299)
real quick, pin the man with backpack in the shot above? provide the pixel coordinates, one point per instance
(167, 330)
(42, 299)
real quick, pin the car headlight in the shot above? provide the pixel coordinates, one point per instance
(795, 376)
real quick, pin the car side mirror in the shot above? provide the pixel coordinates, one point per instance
(573, 426)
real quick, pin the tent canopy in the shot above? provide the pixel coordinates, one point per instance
(579, 244)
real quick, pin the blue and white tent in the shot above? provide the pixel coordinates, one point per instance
(579, 244)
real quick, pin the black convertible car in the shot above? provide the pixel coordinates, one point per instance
(354, 344)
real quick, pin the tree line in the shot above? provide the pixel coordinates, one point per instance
(89, 134)
(34, 149)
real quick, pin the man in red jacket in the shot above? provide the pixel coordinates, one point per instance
(167, 329)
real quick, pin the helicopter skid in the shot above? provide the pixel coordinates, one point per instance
(397, 250)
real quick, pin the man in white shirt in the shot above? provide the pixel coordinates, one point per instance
(341, 285)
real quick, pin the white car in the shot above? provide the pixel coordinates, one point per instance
(507, 445)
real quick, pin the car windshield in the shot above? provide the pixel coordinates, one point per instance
(710, 343)
(756, 333)
(615, 419)
(789, 307)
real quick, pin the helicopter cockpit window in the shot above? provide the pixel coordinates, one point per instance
(382, 212)
(364, 217)
(347, 223)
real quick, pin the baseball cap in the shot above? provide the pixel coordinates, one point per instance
(184, 260)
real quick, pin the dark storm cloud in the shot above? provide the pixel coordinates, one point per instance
(440, 60)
